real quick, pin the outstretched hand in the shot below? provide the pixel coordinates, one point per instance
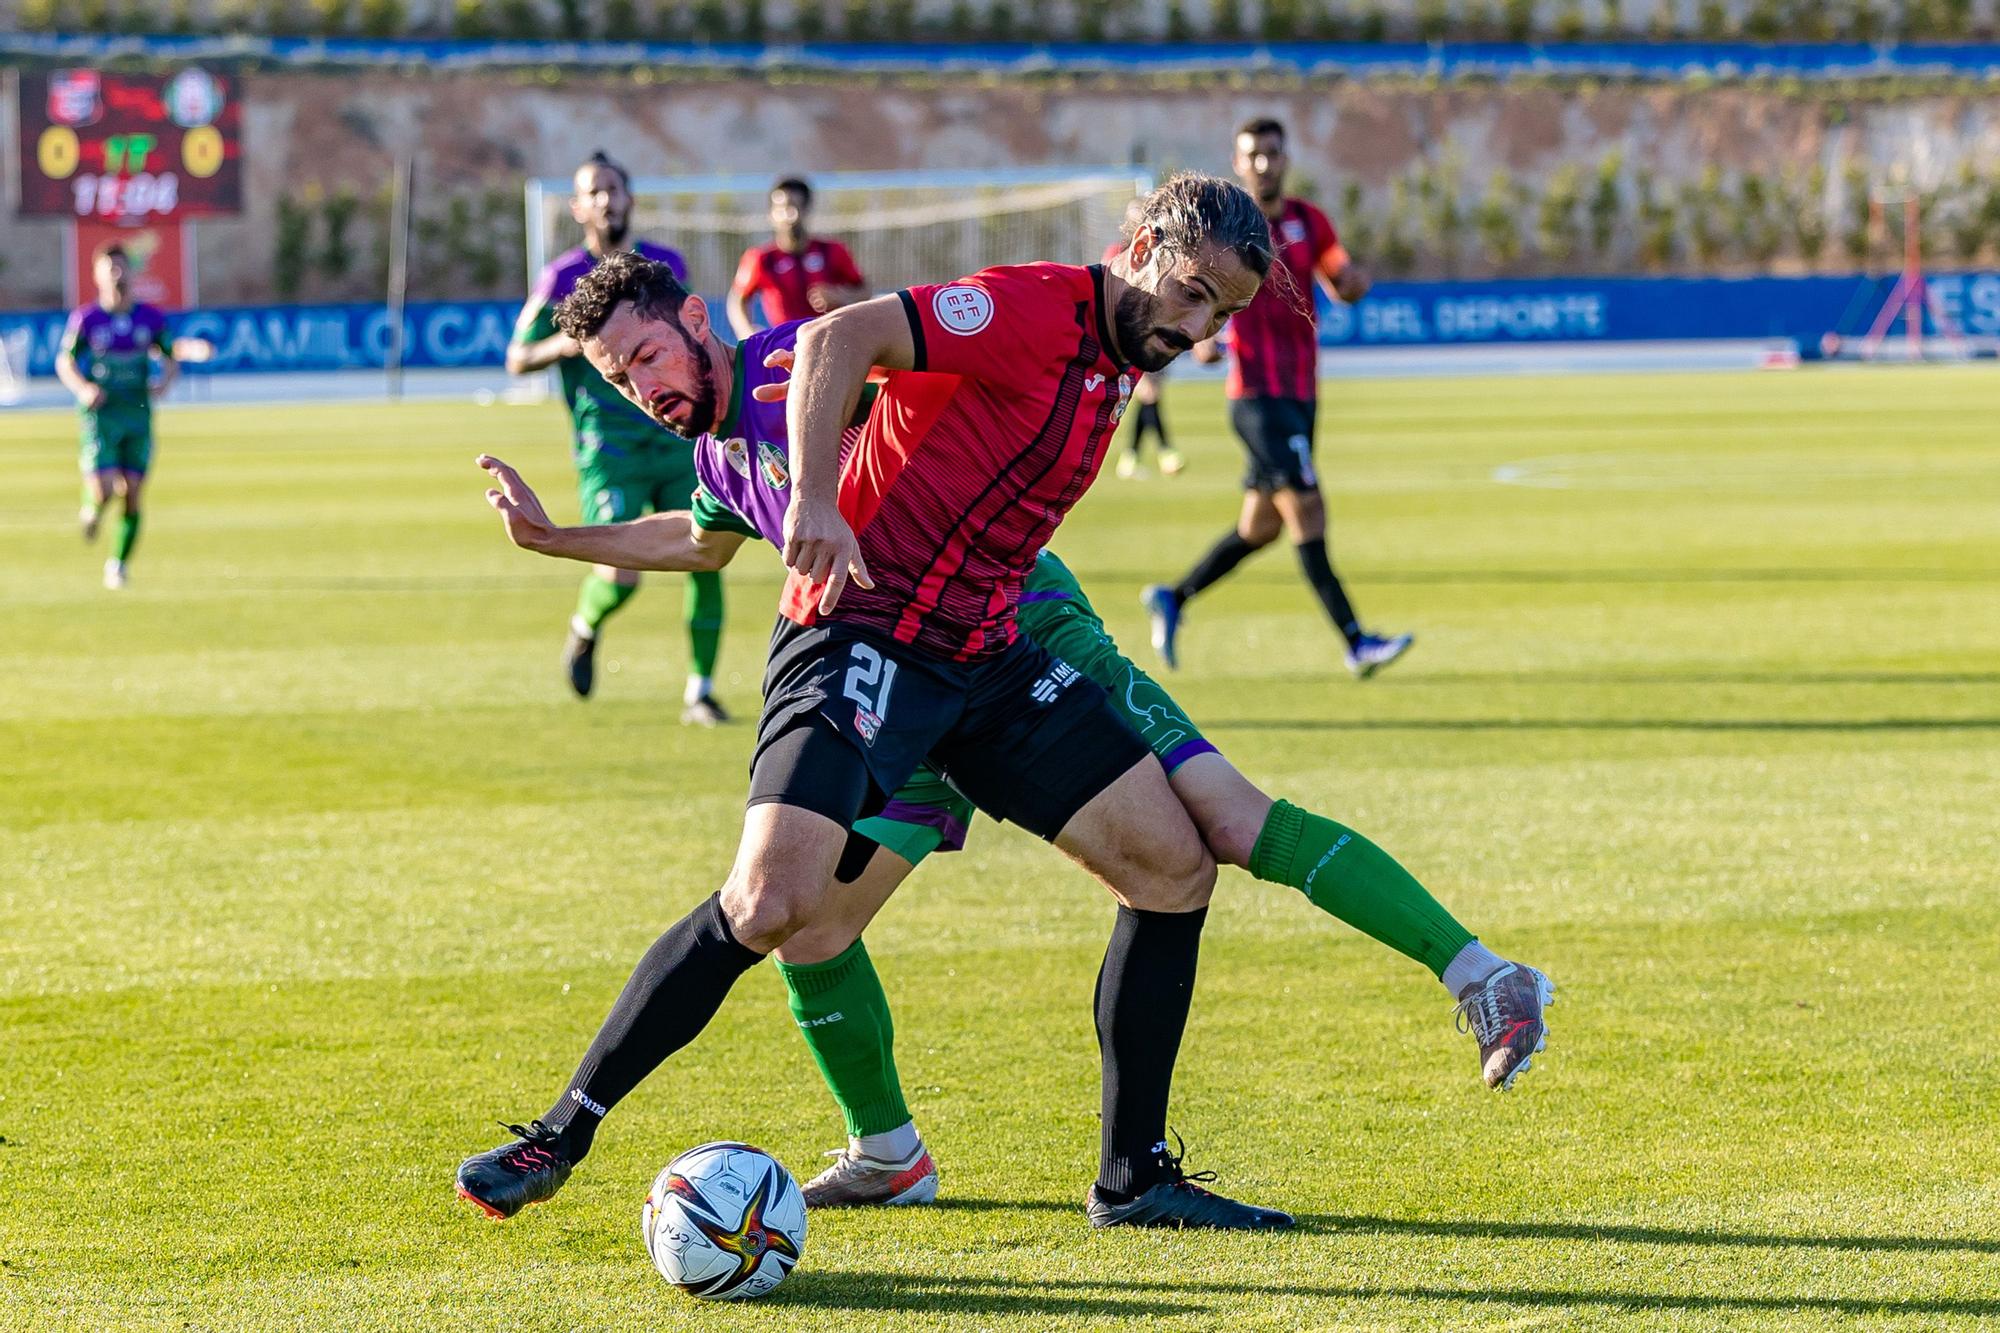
(521, 512)
(775, 391)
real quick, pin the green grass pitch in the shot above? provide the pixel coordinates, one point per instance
(310, 871)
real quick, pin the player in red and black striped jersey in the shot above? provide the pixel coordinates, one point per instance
(798, 275)
(1274, 405)
(907, 553)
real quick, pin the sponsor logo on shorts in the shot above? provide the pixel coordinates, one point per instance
(869, 724)
(600, 1111)
(771, 462)
(963, 310)
(1059, 678)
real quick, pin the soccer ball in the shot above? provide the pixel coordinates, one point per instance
(724, 1222)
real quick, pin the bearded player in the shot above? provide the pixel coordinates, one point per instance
(625, 466)
(836, 998)
(1146, 395)
(798, 275)
(106, 362)
(1274, 406)
(899, 642)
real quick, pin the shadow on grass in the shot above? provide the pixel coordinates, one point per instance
(1697, 724)
(1632, 1235)
(971, 1294)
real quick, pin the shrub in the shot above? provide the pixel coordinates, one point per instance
(1555, 217)
(384, 18)
(291, 246)
(1498, 218)
(336, 255)
(1606, 205)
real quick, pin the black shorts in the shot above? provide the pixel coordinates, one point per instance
(1277, 433)
(849, 714)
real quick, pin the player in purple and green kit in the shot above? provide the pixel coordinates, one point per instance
(836, 997)
(625, 466)
(106, 360)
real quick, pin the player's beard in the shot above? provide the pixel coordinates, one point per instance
(704, 396)
(1139, 336)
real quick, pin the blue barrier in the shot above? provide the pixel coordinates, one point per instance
(313, 337)
(467, 334)
(1627, 59)
(1529, 310)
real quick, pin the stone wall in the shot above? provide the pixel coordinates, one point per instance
(1431, 180)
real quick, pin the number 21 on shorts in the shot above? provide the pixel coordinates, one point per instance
(869, 680)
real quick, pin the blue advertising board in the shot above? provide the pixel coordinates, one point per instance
(472, 334)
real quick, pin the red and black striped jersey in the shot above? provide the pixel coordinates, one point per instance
(965, 468)
(1274, 341)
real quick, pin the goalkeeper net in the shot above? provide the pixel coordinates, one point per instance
(903, 227)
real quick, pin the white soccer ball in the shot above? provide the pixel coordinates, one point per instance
(724, 1222)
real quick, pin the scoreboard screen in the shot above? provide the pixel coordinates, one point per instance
(130, 147)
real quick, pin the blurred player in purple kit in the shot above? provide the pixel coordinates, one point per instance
(106, 361)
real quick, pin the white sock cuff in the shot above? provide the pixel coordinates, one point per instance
(898, 1145)
(1475, 962)
(579, 627)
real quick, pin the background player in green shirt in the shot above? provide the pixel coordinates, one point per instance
(106, 360)
(626, 465)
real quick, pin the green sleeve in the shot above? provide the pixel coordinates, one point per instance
(537, 321)
(714, 516)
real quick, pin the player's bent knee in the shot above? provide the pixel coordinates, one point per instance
(763, 912)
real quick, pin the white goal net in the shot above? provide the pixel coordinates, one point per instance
(903, 227)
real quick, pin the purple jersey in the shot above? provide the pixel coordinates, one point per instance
(599, 415)
(745, 462)
(114, 349)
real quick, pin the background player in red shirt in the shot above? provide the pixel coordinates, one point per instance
(798, 275)
(899, 644)
(1273, 404)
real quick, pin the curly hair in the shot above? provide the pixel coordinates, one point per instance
(651, 288)
(1191, 210)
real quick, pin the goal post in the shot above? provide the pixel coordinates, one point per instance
(903, 227)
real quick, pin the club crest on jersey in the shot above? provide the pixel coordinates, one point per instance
(962, 310)
(1293, 230)
(737, 451)
(815, 262)
(771, 463)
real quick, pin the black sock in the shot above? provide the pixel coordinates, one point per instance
(1143, 991)
(1222, 557)
(672, 994)
(1149, 420)
(1319, 573)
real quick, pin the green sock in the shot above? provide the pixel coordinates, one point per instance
(599, 597)
(704, 617)
(1349, 877)
(128, 537)
(844, 1017)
